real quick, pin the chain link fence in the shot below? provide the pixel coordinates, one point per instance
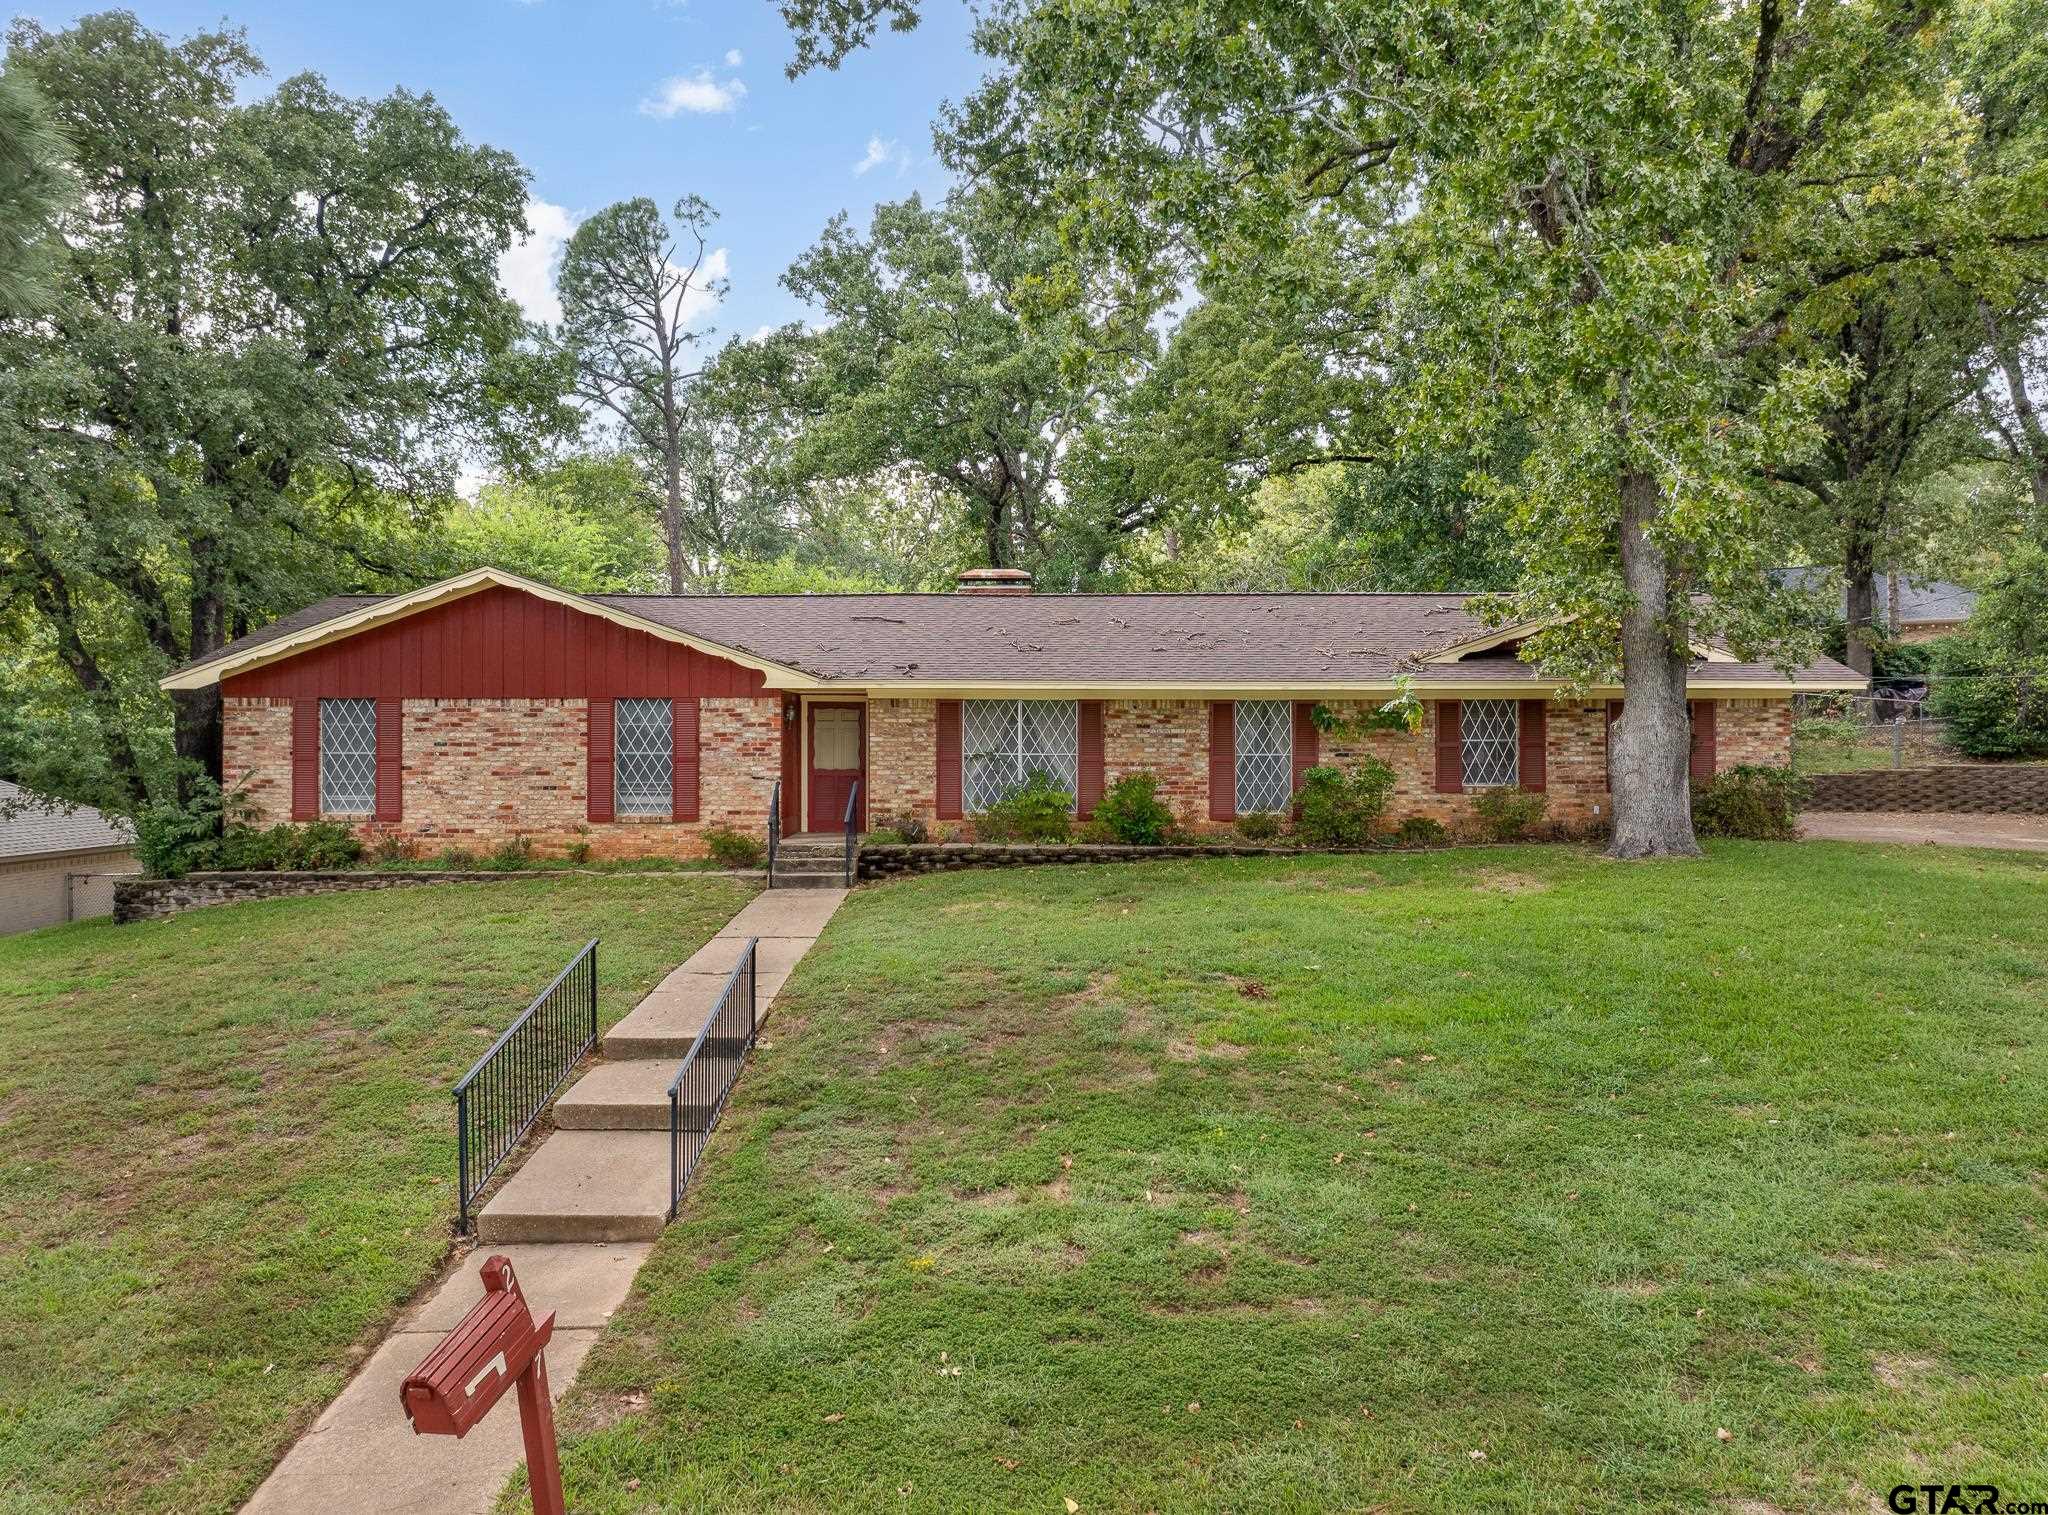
(1900, 722)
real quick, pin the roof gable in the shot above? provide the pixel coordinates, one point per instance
(352, 615)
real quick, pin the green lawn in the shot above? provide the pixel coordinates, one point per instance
(227, 1155)
(1481, 1180)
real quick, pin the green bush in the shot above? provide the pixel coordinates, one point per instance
(734, 849)
(1507, 812)
(1037, 810)
(1991, 682)
(172, 839)
(578, 853)
(512, 856)
(1750, 801)
(908, 829)
(1132, 811)
(887, 836)
(1420, 831)
(456, 860)
(210, 831)
(1259, 826)
(1337, 809)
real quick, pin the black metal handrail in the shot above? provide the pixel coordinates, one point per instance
(852, 835)
(504, 1092)
(774, 829)
(696, 1096)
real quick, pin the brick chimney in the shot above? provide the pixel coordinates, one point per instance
(994, 581)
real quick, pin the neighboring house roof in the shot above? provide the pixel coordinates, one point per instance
(31, 826)
(1921, 601)
(1069, 641)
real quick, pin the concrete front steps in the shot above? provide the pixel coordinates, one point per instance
(812, 862)
(604, 1173)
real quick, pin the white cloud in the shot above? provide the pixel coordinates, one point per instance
(700, 301)
(879, 153)
(734, 58)
(527, 268)
(697, 93)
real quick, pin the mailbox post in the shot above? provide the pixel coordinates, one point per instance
(498, 1343)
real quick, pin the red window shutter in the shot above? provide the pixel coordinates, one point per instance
(1533, 731)
(1223, 761)
(949, 760)
(1613, 715)
(1089, 784)
(305, 760)
(1703, 755)
(684, 724)
(1450, 747)
(599, 798)
(390, 760)
(1308, 741)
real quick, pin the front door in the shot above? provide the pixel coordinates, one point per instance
(836, 752)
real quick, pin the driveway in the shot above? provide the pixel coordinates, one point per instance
(2023, 833)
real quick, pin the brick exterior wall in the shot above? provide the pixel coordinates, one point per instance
(903, 761)
(256, 755)
(479, 773)
(1169, 738)
(1753, 731)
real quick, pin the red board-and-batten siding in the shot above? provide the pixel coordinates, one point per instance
(496, 644)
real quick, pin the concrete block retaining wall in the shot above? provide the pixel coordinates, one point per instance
(2017, 790)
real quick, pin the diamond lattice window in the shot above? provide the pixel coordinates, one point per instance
(1004, 741)
(1265, 755)
(1489, 731)
(644, 757)
(348, 757)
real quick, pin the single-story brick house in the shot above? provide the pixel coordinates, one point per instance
(489, 706)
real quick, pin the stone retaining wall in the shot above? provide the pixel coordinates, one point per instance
(159, 898)
(1988, 790)
(890, 860)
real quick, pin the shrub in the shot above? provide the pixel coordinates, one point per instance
(578, 852)
(1259, 826)
(456, 860)
(1336, 809)
(1507, 812)
(887, 836)
(512, 856)
(172, 837)
(1420, 831)
(1132, 811)
(734, 849)
(1991, 682)
(909, 829)
(1038, 810)
(391, 851)
(1751, 801)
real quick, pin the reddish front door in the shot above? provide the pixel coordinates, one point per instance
(838, 756)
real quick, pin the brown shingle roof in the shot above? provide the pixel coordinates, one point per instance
(1220, 639)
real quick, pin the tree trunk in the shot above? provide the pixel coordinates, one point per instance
(1891, 607)
(1653, 736)
(195, 713)
(672, 521)
(1860, 606)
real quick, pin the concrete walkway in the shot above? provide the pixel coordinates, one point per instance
(577, 1220)
(2020, 833)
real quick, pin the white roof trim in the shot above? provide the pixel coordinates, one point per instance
(397, 608)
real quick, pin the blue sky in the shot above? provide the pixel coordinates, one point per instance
(606, 99)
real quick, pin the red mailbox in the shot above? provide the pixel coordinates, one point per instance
(497, 1344)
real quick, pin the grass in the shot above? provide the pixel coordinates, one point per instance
(1489, 1180)
(227, 1156)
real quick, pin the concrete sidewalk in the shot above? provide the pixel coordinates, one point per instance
(2018, 833)
(578, 1219)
